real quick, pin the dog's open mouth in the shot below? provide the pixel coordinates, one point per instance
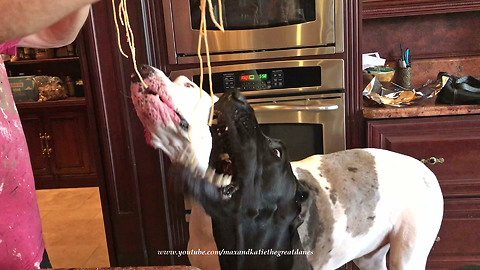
(222, 162)
(153, 103)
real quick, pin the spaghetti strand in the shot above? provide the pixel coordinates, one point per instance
(124, 20)
(203, 35)
(118, 29)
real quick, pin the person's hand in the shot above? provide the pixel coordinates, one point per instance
(42, 23)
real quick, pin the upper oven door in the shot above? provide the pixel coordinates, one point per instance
(253, 25)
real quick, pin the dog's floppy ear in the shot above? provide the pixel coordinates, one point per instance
(304, 199)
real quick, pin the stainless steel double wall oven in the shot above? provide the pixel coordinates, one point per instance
(256, 29)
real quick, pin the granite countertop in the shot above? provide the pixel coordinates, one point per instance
(135, 268)
(419, 111)
(428, 108)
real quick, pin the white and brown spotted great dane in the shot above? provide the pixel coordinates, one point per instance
(365, 201)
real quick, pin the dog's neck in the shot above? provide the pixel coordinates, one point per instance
(269, 239)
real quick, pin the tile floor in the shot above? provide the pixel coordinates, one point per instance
(73, 227)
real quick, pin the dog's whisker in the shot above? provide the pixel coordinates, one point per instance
(125, 95)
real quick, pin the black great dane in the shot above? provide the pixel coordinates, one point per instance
(351, 205)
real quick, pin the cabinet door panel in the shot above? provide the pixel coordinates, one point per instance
(68, 133)
(459, 237)
(455, 139)
(32, 127)
(45, 181)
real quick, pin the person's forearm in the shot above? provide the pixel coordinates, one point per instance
(60, 33)
(20, 18)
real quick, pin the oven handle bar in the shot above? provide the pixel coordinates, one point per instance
(269, 108)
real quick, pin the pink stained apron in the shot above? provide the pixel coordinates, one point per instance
(21, 241)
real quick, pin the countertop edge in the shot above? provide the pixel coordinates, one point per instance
(417, 111)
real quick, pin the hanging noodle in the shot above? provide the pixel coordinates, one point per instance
(203, 35)
(124, 20)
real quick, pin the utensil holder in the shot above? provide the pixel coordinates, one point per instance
(403, 77)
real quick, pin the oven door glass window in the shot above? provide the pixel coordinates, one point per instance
(301, 140)
(255, 14)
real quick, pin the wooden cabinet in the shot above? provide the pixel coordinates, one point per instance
(67, 132)
(33, 128)
(455, 139)
(459, 237)
(57, 132)
(57, 138)
(400, 8)
(454, 142)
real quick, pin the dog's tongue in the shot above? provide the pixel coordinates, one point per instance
(227, 168)
(224, 167)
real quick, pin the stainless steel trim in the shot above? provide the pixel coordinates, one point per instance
(339, 27)
(276, 108)
(332, 74)
(333, 121)
(259, 55)
(304, 98)
(169, 31)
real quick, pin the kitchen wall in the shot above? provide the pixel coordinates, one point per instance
(438, 42)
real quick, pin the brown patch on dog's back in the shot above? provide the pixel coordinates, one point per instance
(352, 174)
(318, 221)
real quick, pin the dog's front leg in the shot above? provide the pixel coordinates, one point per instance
(201, 238)
(203, 192)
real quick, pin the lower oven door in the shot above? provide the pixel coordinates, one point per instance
(307, 125)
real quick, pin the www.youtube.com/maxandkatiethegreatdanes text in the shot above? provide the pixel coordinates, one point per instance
(250, 252)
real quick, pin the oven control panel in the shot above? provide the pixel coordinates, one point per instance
(252, 80)
(263, 79)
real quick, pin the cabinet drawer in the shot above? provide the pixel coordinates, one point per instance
(459, 237)
(453, 140)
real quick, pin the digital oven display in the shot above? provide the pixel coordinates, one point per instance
(259, 77)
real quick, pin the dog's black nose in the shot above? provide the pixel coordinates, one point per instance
(144, 70)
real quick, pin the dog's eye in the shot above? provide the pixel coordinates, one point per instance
(188, 85)
(277, 152)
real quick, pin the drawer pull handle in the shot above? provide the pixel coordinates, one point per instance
(437, 239)
(48, 149)
(433, 160)
(45, 150)
(41, 144)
